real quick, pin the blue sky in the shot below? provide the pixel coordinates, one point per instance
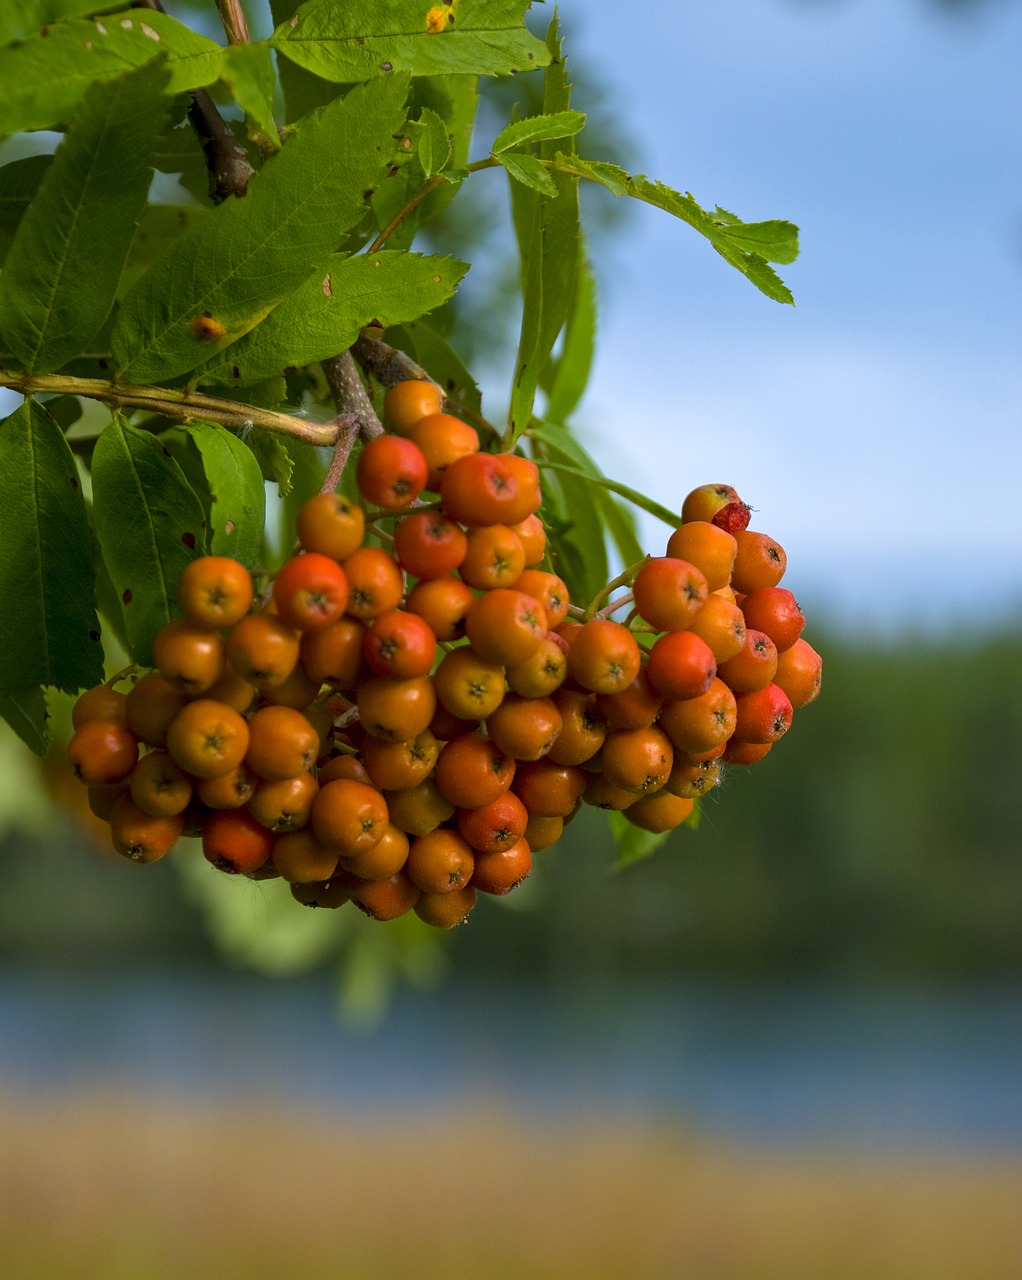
(874, 427)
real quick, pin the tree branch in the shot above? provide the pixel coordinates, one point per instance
(171, 403)
(350, 395)
(386, 364)
(232, 15)
(229, 169)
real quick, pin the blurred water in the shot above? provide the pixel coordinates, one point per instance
(780, 1063)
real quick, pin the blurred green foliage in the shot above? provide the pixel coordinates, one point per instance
(879, 838)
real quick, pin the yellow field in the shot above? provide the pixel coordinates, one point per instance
(104, 1188)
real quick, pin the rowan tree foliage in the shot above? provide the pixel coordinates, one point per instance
(212, 278)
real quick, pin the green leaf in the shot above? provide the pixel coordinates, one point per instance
(149, 524)
(61, 275)
(325, 315)
(19, 181)
(28, 716)
(43, 78)
(434, 147)
(615, 486)
(559, 445)
(21, 19)
(249, 255)
(49, 631)
(576, 540)
(530, 172)
(350, 42)
(274, 457)
(633, 843)
(549, 246)
(248, 71)
(748, 246)
(571, 374)
(231, 488)
(158, 228)
(560, 124)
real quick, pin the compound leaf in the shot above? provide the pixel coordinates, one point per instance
(748, 246)
(149, 524)
(530, 172)
(543, 128)
(351, 42)
(434, 145)
(49, 633)
(61, 274)
(43, 78)
(222, 277)
(325, 315)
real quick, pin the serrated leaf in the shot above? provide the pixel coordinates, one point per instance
(543, 128)
(326, 314)
(248, 71)
(358, 42)
(231, 490)
(221, 278)
(434, 147)
(28, 716)
(625, 491)
(548, 235)
(748, 246)
(49, 633)
(43, 78)
(530, 172)
(61, 275)
(149, 524)
(774, 240)
(571, 375)
(19, 181)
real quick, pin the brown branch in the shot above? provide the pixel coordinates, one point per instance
(226, 161)
(350, 395)
(386, 364)
(232, 15)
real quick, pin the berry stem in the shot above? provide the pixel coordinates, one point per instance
(624, 579)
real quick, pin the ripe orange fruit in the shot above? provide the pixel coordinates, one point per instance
(759, 561)
(681, 665)
(408, 401)
(711, 549)
(348, 816)
(214, 592)
(208, 738)
(799, 673)
(669, 593)
(330, 524)
(604, 656)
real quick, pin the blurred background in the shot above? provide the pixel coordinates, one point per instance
(789, 1043)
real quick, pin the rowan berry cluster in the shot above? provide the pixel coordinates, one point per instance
(402, 719)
